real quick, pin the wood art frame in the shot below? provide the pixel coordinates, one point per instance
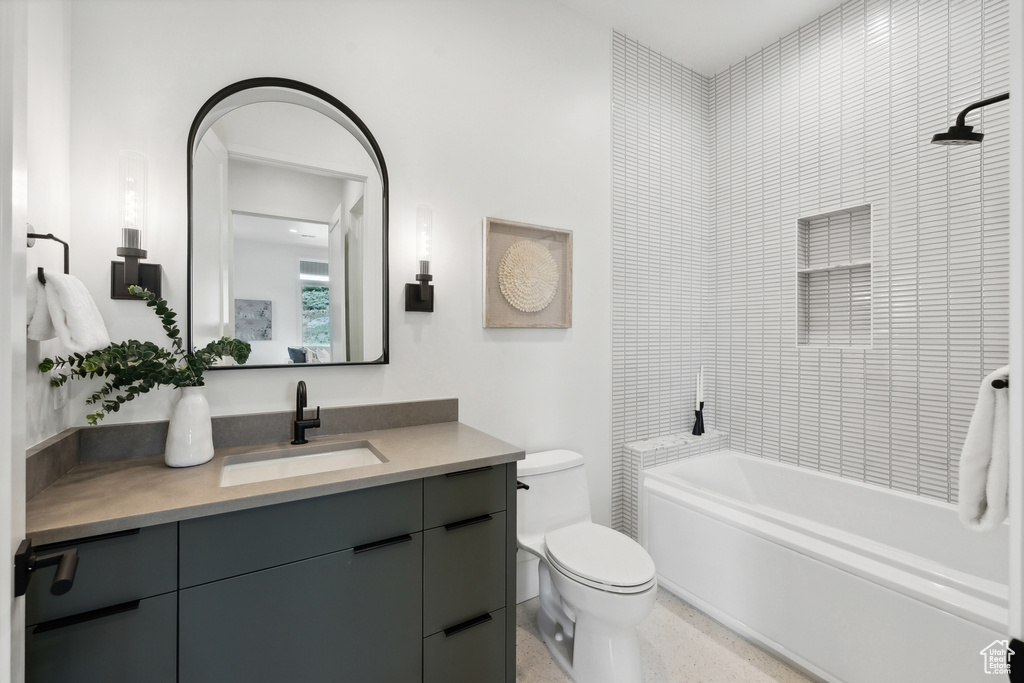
(499, 236)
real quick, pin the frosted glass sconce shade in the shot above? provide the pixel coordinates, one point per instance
(132, 200)
(420, 297)
(131, 223)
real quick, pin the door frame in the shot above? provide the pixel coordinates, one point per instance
(13, 359)
(1016, 625)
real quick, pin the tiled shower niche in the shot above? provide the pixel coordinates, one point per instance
(834, 278)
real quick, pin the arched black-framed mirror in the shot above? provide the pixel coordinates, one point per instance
(287, 227)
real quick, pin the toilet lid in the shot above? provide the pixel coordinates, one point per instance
(600, 554)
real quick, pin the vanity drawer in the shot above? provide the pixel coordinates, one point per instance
(137, 644)
(346, 616)
(459, 495)
(463, 571)
(112, 569)
(235, 543)
(472, 652)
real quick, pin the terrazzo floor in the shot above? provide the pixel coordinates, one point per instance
(677, 643)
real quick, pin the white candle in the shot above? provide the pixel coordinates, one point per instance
(696, 397)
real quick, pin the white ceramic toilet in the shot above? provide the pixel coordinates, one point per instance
(596, 585)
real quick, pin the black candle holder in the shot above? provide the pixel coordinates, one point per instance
(698, 424)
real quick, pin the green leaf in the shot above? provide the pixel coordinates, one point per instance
(133, 367)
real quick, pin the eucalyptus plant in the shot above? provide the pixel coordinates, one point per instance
(133, 367)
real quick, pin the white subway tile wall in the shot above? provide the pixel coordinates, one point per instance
(663, 265)
(837, 114)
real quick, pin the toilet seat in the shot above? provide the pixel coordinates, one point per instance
(600, 557)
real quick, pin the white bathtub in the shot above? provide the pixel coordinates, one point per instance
(849, 581)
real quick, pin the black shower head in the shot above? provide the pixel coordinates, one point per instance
(961, 133)
(958, 135)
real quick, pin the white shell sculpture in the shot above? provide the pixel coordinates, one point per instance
(528, 276)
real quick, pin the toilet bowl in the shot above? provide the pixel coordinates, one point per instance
(596, 585)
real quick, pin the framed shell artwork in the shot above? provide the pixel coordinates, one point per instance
(527, 275)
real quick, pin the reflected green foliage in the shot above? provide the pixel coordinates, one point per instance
(316, 315)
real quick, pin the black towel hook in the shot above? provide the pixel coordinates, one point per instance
(50, 236)
(1000, 383)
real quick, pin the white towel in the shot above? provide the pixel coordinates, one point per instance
(40, 327)
(74, 314)
(985, 461)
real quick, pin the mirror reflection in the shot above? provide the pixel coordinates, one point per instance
(288, 231)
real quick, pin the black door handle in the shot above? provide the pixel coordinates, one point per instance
(25, 563)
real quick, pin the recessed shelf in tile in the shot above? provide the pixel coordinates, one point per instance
(834, 278)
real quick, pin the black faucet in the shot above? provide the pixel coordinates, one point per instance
(302, 424)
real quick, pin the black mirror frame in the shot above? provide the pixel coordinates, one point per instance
(270, 82)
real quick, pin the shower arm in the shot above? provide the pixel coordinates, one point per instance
(960, 119)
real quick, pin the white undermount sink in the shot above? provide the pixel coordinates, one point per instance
(249, 468)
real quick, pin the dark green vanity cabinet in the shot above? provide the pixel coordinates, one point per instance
(465, 576)
(317, 590)
(341, 616)
(118, 623)
(413, 581)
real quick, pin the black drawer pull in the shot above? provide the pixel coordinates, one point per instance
(55, 624)
(521, 485)
(475, 469)
(467, 522)
(87, 539)
(382, 544)
(458, 628)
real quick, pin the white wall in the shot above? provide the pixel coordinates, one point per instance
(49, 111)
(497, 108)
(270, 272)
(283, 191)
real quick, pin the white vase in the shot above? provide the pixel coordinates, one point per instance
(190, 432)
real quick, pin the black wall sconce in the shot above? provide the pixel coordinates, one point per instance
(131, 212)
(419, 296)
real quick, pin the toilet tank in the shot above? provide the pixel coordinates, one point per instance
(557, 496)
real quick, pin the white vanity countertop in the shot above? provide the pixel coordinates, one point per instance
(104, 497)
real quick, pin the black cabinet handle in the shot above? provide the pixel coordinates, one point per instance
(55, 624)
(47, 547)
(475, 469)
(458, 628)
(521, 485)
(467, 522)
(382, 544)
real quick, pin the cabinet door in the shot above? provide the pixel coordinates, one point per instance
(459, 495)
(473, 652)
(235, 543)
(346, 616)
(129, 643)
(112, 569)
(463, 571)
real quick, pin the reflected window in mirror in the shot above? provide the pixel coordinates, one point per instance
(288, 227)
